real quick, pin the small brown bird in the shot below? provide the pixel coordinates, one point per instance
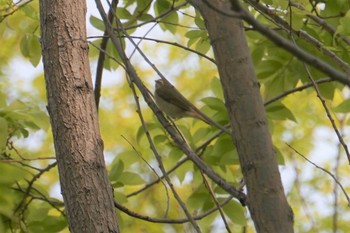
(175, 105)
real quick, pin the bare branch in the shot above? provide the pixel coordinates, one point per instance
(324, 170)
(171, 130)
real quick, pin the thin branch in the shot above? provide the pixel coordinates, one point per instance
(178, 164)
(335, 188)
(178, 140)
(324, 170)
(176, 45)
(171, 221)
(106, 54)
(304, 203)
(101, 57)
(212, 194)
(291, 48)
(154, 172)
(340, 137)
(55, 204)
(154, 20)
(297, 89)
(153, 148)
(328, 27)
(269, 14)
(13, 9)
(31, 183)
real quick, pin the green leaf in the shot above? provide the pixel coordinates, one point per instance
(111, 64)
(235, 212)
(281, 4)
(217, 88)
(344, 26)
(161, 6)
(35, 50)
(258, 53)
(123, 13)
(40, 119)
(120, 197)
(230, 157)
(214, 103)
(343, 107)
(116, 170)
(175, 154)
(223, 152)
(130, 178)
(30, 11)
(201, 134)
(50, 224)
(143, 5)
(145, 17)
(196, 33)
(12, 174)
(327, 91)
(97, 23)
(128, 157)
(198, 20)
(298, 17)
(203, 45)
(278, 111)
(183, 170)
(198, 198)
(192, 41)
(279, 156)
(170, 21)
(161, 138)
(39, 213)
(30, 48)
(267, 69)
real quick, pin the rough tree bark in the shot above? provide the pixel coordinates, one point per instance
(86, 191)
(266, 200)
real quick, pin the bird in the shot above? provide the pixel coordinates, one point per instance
(175, 105)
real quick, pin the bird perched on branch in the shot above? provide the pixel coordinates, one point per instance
(175, 105)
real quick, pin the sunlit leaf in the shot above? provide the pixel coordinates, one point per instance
(131, 178)
(236, 212)
(343, 107)
(116, 170)
(278, 111)
(97, 23)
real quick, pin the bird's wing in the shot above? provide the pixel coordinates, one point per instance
(167, 92)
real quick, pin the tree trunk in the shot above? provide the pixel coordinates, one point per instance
(266, 200)
(86, 191)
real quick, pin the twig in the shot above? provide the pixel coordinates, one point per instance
(324, 170)
(180, 142)
(172, 221)
(149, 165)
(31, 183)
(304, 203)
(340, 137)
(291, 48)
(301, 88)
(176, 45)
(268, 13)
(212, 194)
(178, 164)
(101, 57)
